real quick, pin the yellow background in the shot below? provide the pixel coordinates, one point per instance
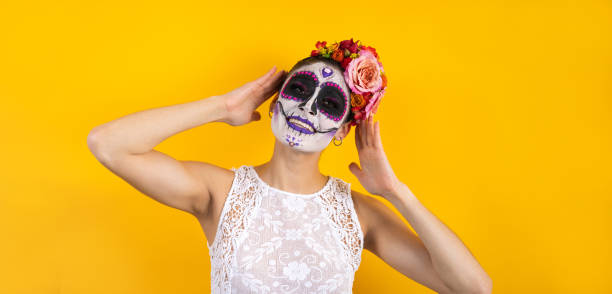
(497, 116)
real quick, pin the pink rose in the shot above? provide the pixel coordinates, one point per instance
(372, 105)
(363, 73)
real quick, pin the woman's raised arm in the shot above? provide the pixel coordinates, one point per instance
(125, 145)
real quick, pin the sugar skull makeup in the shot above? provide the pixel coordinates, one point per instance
(312, 104)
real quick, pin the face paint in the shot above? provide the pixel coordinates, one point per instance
(312, 104)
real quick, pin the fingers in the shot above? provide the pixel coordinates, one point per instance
(371, 139)
(358, 141)
(265, 88)
(362, 133)
(260, 83)
(262, 79)
(275, 82)
(378, 141)
(367, 133)
(355, 169)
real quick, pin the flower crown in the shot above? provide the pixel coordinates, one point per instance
(363, 74)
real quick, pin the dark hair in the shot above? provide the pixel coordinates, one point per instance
(314, 59)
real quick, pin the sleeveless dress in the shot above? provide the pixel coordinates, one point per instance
(272, 241)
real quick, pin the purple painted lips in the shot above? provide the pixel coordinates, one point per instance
(300, 124)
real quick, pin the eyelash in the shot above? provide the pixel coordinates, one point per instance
(332, 102)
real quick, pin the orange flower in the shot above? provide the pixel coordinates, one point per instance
(338, 55)
(357, 100)
(333, 47)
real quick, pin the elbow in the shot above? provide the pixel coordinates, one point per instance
(95, 143)
(489, 286)
(93, 138)
(485, 286)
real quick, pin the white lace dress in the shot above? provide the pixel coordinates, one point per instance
(272, 241)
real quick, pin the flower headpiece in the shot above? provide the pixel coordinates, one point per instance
(363, 74)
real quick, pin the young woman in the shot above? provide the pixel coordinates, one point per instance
(283, 226)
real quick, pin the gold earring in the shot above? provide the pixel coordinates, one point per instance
(335, 141)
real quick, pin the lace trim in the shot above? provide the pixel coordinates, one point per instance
(234, 220)
(339, 207)
(322, 190)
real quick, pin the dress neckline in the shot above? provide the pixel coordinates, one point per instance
(327, 184)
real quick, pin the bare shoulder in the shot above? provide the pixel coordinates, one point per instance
(217, 179)
(370, 212)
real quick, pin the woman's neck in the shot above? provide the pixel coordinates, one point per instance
(292, 171)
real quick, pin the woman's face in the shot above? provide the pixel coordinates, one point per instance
(312, 104)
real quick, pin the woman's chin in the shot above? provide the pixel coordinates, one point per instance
(293, 144)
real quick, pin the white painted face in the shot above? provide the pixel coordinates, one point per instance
(312, 104)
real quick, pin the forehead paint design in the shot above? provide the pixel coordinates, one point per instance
(326, 72)
(346, 103)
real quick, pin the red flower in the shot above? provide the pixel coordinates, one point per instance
(314, 53)
(358, 115)
(368, 48)
(345, 62)
(320, 44)
(350, 45)
(346, 43)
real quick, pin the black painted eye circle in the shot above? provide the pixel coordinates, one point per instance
(300, 86)
(332, 102)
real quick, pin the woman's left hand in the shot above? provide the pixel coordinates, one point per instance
(375, 174)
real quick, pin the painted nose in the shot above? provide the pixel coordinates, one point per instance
(313, 107)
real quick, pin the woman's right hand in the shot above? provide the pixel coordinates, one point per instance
(240, 103)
